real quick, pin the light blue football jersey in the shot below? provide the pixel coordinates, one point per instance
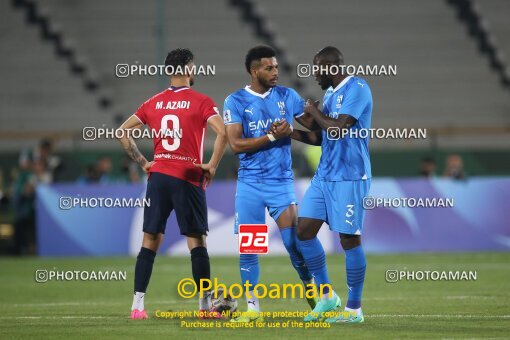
(347, 159)
(256, 112)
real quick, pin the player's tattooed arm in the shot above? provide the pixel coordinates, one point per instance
(325, 122)
(129, 144)
(134, 153)
(238, 144)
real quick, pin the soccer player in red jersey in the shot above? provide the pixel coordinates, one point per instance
(177, 175)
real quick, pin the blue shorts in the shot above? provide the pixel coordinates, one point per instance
(340, 204)
(253, 197)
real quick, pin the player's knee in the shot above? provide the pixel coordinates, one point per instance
(151, 241)
(302, 234)
(288, 217)
(349, 241)
(195, 240)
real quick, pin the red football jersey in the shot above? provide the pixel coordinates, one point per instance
(180, 115)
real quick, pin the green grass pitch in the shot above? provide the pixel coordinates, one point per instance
(415, 309)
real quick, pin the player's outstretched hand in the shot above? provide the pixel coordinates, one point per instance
(310, 105)
(147, 166)
(208, 172)
(283, 129)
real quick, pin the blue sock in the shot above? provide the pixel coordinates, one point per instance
(315, 260)
(290, 242)
(250, 269)
(355, 266)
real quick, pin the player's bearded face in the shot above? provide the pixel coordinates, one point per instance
(267, 72)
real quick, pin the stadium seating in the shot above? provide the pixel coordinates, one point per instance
(495, 13)
(442, 81)
(433, 53)
(97, 41)
(39, 92)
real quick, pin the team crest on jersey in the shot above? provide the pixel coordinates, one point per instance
(333, 114)
(339, 101)
(281, 107)
(227, 117)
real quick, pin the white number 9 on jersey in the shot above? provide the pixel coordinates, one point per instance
(176, 141)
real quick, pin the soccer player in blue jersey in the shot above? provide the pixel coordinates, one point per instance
(340, 183)
(265, 178)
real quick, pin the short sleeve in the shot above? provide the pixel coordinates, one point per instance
(209, 109)
(230, 112)
(298, 104)
(141, 113)
(356, 100)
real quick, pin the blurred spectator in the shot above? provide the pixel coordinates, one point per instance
(104, 168)
(23, 197)
(40, 174)
(90, 176)
(43, 153)
(99, 172)
(3, 193)
(428, 167)
(131, 170)
(454, 167)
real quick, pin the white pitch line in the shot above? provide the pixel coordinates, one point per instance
(448, 297)
(65, 317)
(57, 304)
(474, 297)
(87, 317)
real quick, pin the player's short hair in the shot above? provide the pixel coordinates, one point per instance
(256, 53)
(46, 143)
(428, 159)
(179, 57)
(331, 54)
